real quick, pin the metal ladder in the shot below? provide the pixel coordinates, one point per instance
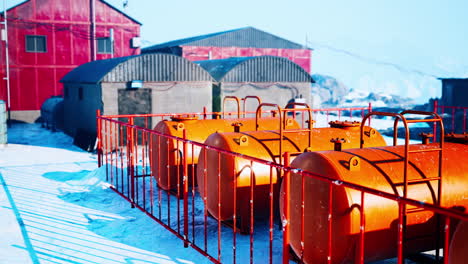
(283, 124)
(404, 211)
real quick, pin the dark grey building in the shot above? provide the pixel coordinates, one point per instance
(454, 92)
(274, 79)
(142, 84)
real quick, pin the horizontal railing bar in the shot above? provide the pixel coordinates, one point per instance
(412, 121)
(441, 210)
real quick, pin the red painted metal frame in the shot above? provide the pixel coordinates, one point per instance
(125, 150)
(441, 109)
(66, 26)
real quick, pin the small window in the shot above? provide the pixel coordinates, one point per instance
(65, 92)
(36, 43)
(80, 93)
(104, 45)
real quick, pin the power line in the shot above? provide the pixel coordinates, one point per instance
(28, 24)
(371, 60)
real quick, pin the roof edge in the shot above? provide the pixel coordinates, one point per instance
(311, 80)
(15, 6)
(120, 11)
(102, 1)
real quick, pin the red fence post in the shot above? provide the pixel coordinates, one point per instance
(434, 132)
(464, 120)
(370, 110)
(330, 223)
(362, 230)
(446, 240)
(286, 182)
(99, 137)
(185, 184)
(130, 137)
(400, 238)
(453, 120)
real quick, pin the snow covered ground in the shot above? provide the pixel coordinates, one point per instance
(55, 207)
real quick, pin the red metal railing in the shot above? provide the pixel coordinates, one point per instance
(457, 116)
(127, 150)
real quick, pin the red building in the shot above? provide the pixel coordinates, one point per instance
(48, 38)
(242, 42)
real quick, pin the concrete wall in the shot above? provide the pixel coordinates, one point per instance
(167, 97)
(277, 93)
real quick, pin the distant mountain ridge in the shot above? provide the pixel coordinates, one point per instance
(327, 91)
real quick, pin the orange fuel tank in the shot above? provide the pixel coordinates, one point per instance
(264, 145)
(380, 168)
(166, 160)
(459, 245)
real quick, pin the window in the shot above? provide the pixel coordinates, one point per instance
(36, 43)
(80, 93)
(104, 45)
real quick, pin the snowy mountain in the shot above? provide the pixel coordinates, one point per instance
(330, 92)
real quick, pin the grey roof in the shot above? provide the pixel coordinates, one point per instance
(247, 37)
(453, 79)
(94, 71)
(156, 67)
(15, 3)
(255, 69)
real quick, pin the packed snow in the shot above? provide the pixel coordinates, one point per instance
(55, 207)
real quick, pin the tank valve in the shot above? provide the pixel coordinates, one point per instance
(348, 125)
(237, 126)
(338, 143)
(371, 133)
(289, 122)
(354, 163)
(425, 137)
(242, 140)
(311, 123)
(180, 126)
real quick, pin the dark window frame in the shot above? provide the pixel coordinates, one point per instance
(34, 38)
(104, 45)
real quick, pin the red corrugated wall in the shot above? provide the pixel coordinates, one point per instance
(302, 57)
(34, 77)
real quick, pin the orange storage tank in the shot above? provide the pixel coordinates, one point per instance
(380, 168)
(264, 145)
(459, 245)
(166, 160)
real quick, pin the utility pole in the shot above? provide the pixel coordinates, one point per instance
(93, 29)
(111, 37)
(7, 59)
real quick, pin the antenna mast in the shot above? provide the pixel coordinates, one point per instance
(7, 58)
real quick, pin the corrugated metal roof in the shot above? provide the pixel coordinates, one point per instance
(94, 71)
(248, 37)
(256, 69)
(157, 67)
(15, 3)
